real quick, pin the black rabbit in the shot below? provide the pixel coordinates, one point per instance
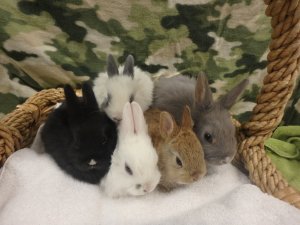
(80, 137)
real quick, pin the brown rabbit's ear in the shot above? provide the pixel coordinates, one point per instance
(203, 95)
(166, 124)
(186, 120)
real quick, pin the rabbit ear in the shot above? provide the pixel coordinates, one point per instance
(127, 124)
(203, 95)
(166, 124)
(229, 99)
(140, 126)
(89, 96)
(112, 68)
(71, 98)
(186, 120)
(129, 66)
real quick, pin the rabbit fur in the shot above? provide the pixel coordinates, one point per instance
(212, 120)
(80, 137)
(181, 157)
(134, 169)
(113, 90)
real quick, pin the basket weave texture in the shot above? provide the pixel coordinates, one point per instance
(18, 128)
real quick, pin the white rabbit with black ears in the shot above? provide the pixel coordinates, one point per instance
(113, 90)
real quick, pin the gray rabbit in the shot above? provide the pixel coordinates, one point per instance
(212, 120)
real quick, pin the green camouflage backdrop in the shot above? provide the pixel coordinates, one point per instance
(47, 43)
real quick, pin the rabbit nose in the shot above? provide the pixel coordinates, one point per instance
(195, 175)
(148, 187)
(226, 160)
(92, 162)
(117, 120)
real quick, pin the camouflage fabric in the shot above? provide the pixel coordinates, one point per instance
(47, 43)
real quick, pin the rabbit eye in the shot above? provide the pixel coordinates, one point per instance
(106, 101)
(208, 137)
(131, 98)
(128, 170)
(178, 161)
(138, 186)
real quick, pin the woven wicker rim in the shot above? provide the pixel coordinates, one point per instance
(18, 128)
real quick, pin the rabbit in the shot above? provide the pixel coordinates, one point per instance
(181, 157)
(213, 125)
(113, 90)
(134, 170)
(79, 137)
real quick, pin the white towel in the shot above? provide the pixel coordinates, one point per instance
(34, 191)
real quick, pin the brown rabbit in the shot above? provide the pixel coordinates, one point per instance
(181, 158)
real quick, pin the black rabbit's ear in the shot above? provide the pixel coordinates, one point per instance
(71, 98)
(112, 68)
(89, 96)
(129, 66)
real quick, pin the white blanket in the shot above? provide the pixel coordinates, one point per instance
(34, 191)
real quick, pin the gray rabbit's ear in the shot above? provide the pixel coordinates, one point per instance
(203, 94)
(230, 98)
(129, 66)
(112, 68)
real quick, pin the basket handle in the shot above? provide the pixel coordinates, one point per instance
(283, 68)
(18, 128)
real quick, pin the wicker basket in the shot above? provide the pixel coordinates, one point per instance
(18, 128)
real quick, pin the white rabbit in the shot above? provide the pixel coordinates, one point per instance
(113, 90)
(134, 170)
